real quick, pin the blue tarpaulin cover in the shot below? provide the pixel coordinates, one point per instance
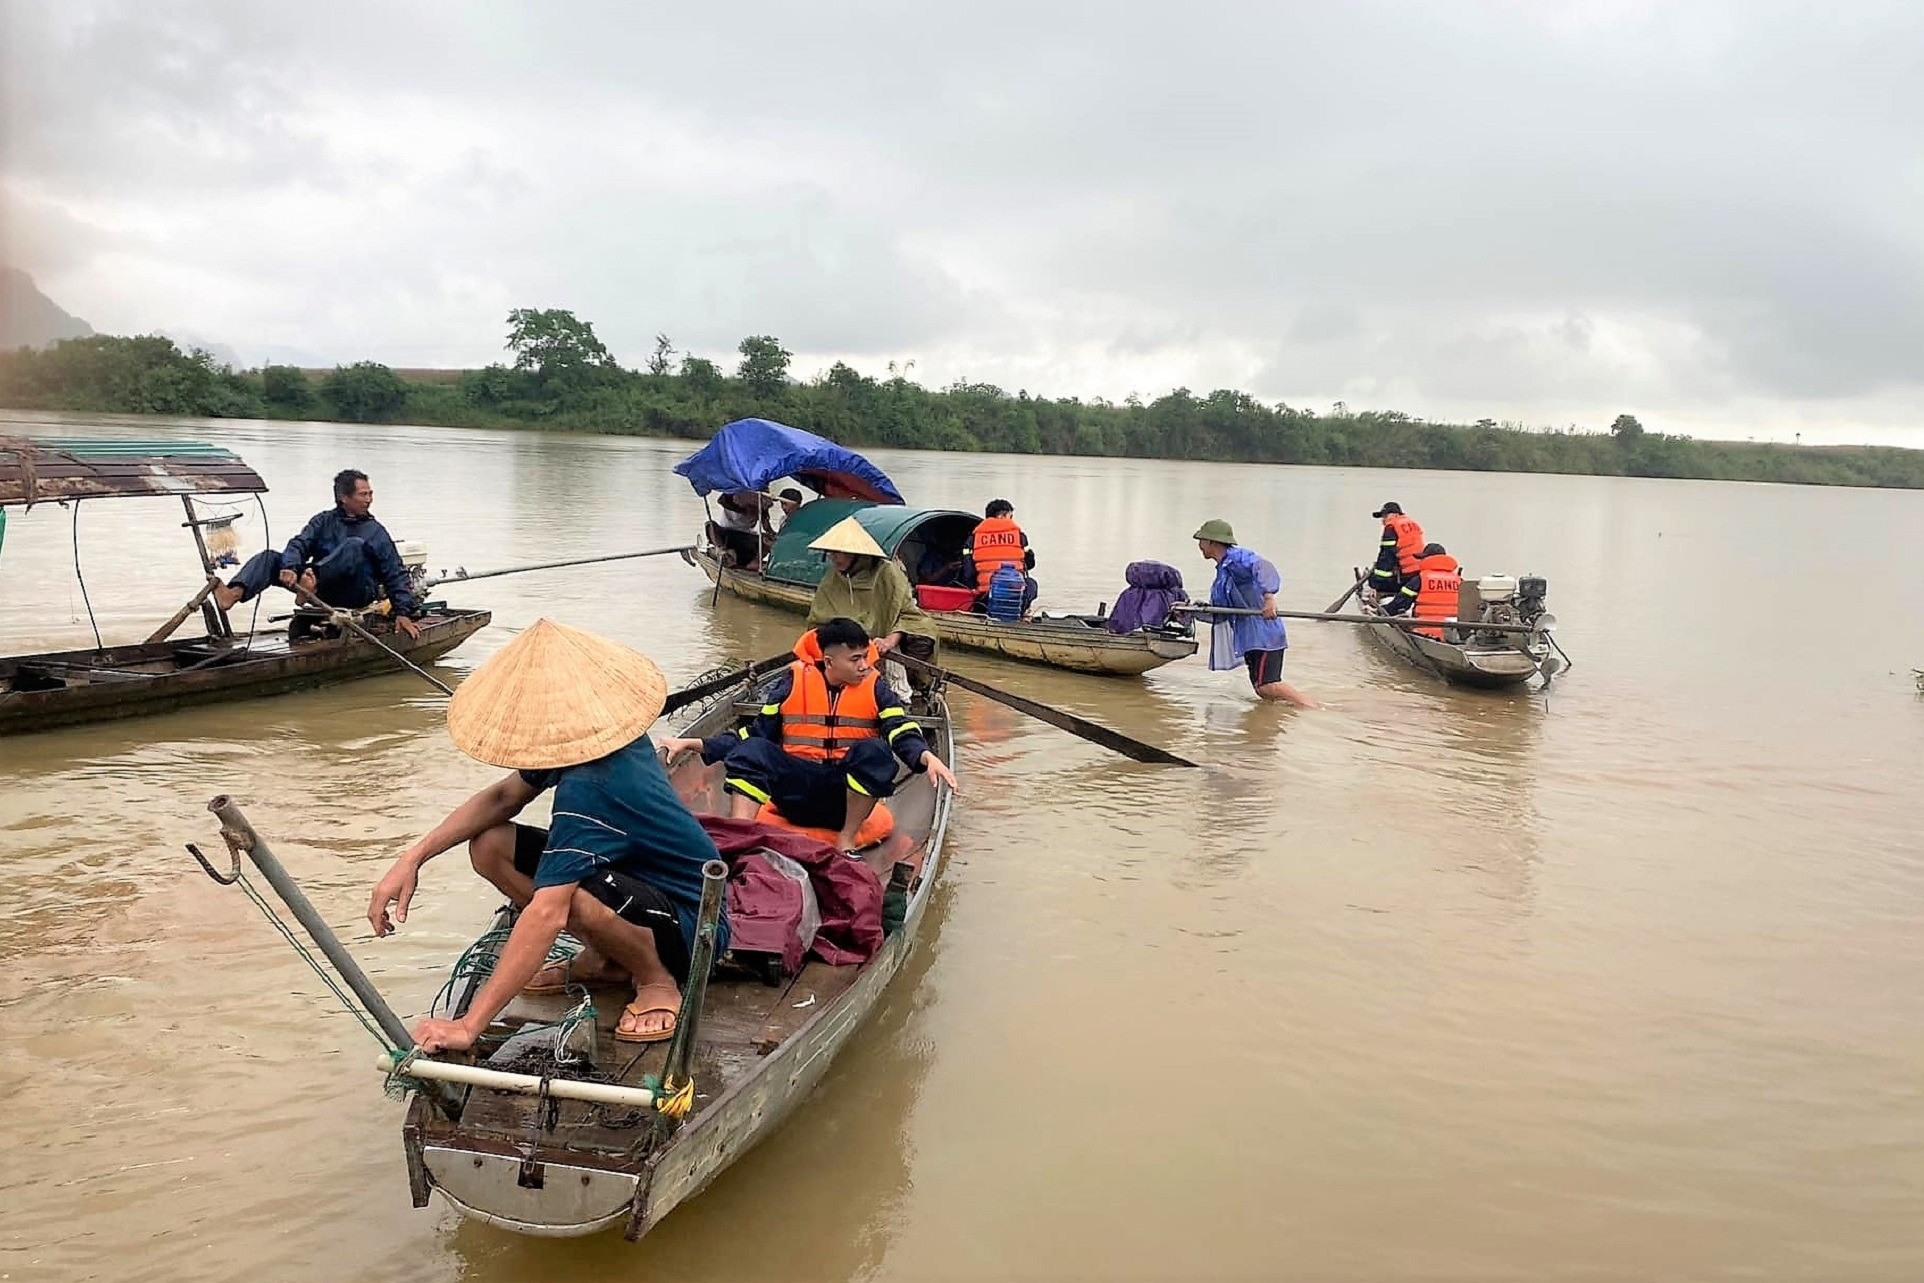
(749, 453)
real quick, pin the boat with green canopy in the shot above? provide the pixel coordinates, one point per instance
(929, 543)
(162, 673)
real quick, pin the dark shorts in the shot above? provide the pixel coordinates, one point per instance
(641, 903)
(1265, 666)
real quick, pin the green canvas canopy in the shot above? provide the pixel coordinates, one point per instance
(910, 533)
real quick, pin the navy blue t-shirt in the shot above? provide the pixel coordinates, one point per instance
(620, 812)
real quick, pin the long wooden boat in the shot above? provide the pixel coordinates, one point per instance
(544, 1165)
(67, 688)
(1082, 643)
(1464, 656)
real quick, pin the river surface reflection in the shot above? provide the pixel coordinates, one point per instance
(1624, 981)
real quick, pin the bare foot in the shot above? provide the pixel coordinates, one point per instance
(226, 597)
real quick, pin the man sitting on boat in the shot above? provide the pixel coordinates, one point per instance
(739, 528)
(1256, 642)
(620, 865)
(1432, 592)
(343, 556)
(1397, 552)
(823, 749)
(866, 585)
(996, 543)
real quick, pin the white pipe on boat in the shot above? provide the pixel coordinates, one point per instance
(526, 1084)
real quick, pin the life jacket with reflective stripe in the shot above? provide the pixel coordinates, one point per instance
(997, 542)
(819, 723)
(1439, 579)
(1409, 541)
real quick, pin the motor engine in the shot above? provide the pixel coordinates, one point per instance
(1505, 599)
(414, 556)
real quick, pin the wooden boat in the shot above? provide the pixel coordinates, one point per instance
(66, 688)
(916, 536)
(1464, 656)
(745, 456)
(544, 1165)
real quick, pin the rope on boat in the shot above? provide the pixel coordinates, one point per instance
(275, 920)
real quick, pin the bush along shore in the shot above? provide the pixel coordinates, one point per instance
(563, 378)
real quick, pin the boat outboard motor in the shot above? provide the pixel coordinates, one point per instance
(1530, 592)
(414, 556)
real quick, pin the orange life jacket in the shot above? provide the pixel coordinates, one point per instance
(996, 542)
(1439, 578)
(1409, 542)
(819, 723)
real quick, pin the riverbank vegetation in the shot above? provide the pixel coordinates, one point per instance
(562, 377)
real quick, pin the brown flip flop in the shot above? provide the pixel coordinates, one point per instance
(647, 1004)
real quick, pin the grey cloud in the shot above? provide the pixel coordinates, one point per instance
(1520, 209)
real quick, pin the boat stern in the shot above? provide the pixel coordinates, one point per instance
(525, 1192)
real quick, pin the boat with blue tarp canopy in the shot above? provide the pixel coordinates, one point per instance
(749, 453)
(929, 544)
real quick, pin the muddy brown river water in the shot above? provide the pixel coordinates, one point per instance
(1622, 983)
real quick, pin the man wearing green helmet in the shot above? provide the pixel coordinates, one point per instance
(1245, 581)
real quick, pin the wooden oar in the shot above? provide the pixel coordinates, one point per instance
(1115, 741)
(1342, 601)
(1399, 621)
(462, 576)
(166, 630)
(702, 690)
(337, 615)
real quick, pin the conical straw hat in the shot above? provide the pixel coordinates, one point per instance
(555, 696)
(847, 535)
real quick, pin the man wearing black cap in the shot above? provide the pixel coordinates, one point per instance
(1399, 551)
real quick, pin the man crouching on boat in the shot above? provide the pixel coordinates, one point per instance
(620, 864)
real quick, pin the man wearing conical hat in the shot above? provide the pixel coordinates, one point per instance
(620, 865)
(865, 584)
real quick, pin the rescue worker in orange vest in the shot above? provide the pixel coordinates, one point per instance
(998, 542)
(1397, 554)
(823, 747)
(1431, 592)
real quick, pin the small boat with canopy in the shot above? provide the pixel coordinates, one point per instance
(103, 683)
(746, 456)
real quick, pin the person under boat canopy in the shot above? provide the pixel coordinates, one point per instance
(822, 751)
(1397, 552)
(343, 556)
(620, 863)
(740, 527)
(998, 563)
(865, 584)
(1432, 592)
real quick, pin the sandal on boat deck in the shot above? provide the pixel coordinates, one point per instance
(647, 1003)
(558, 977)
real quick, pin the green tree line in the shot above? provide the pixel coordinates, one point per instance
(561, 376)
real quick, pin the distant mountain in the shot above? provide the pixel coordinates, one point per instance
(29, 318)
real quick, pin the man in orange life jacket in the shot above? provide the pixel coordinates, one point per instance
(1432, 592)
(823, 747)
(998, 542)
(1397, 554)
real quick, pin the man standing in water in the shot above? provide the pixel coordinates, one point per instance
(343, 556)
(1246, 581)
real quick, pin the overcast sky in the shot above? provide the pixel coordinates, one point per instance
(1708, 214)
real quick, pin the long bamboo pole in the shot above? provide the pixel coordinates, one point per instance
(462, 576)
(336, 615)
(1399, 621)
